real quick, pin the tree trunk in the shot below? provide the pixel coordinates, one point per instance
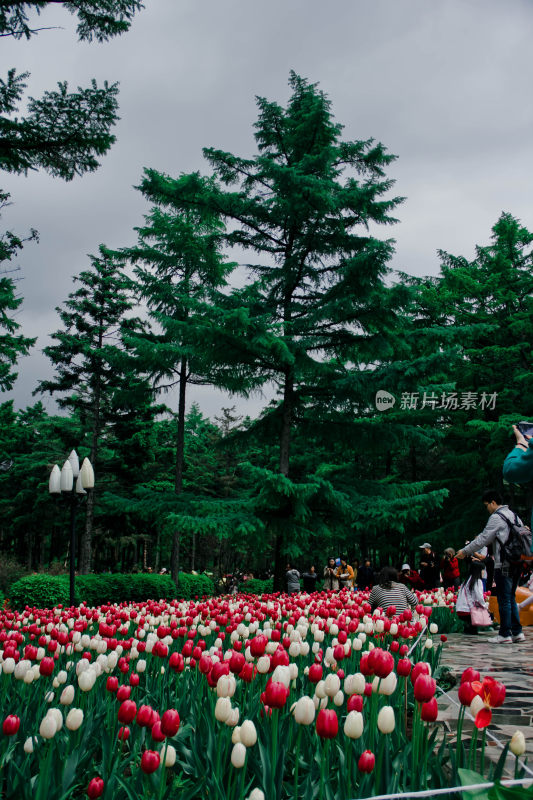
(178, 478)
(284, 463)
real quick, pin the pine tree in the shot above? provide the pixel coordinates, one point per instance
(97, 19)
(179, 266)
(318, 302)
(94, 374)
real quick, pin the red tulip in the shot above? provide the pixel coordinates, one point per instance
(150, 761)
(134, 679)
(258, 645)
(366, 761)
(236, 662)
(145, 717)
(429, 711)
(327, 723)
(157, 733)
(95, 788)
(11, 725)
(176, 662)
(493, 692)
(470, 674)
(123, 693)
(46, 667)
(124, 734)
(111, 684)
(355, 703)
(315, 673)
(170, 722)
(424, 688)
(466, 693)
(276, 694)
(403, 667)
(483, 717)
(383, 663)
(127, 711)
(420, 668)
(248, 672)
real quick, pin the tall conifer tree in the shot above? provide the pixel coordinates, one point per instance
(317, 301)
(94, 374)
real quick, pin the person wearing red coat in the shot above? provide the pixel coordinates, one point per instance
(449, 567)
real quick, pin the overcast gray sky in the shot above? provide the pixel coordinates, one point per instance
(446, 86)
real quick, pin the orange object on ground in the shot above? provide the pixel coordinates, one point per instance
(526, 616)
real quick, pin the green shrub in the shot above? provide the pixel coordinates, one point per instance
(43, 591)
(2, 598)
(257, 586)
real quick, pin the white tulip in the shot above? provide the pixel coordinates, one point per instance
(28, 745)
(141, 665)
(222, 709)
(236, 735)
(74, 719)
(67, 695)
(233, 718)
(332, 684)
(353, 726)
(256, 794)
(170, 757)
(248, 733)
(238, 755)
(48, 728)
(8, 666)
(226, 686)
(86, 680)
(320, 689)
(386, 720)
(304, 711)
(517, 745)
(387, 686)
(282, 675)
(338, 700)
(433, 628)
(476, 705)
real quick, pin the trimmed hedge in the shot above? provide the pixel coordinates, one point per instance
(45, 591)
(257, 586)
(2, 598)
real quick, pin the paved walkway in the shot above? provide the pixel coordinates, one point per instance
(512, 664)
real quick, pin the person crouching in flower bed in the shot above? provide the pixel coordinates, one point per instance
(388, 592)
(345, 574)
(470, 595)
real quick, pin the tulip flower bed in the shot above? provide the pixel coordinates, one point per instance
(298, 696)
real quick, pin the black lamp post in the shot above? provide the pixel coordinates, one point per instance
(62, 483)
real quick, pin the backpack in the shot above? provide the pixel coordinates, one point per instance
(518, 543)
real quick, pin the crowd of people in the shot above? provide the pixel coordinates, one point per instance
(489, 565)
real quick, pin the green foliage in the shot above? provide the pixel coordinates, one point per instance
(97, 19)
(257, 586)
(447, 620)
(2, 598)
(192, 585)
(62, 133)
(41, 591)
(45, 591)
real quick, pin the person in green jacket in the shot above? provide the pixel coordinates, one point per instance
(518, 466)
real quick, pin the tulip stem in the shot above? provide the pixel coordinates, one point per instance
(459, 739)
(296, 762)
(274, 764)
(483, 742)
(323, 766)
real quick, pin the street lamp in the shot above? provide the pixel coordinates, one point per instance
(62, 482)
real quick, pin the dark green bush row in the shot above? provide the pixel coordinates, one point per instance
(1, 599)
(45, 591)
(256, 586)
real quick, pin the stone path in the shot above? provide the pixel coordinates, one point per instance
(512, 664)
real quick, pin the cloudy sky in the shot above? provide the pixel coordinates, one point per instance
(445, 86)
